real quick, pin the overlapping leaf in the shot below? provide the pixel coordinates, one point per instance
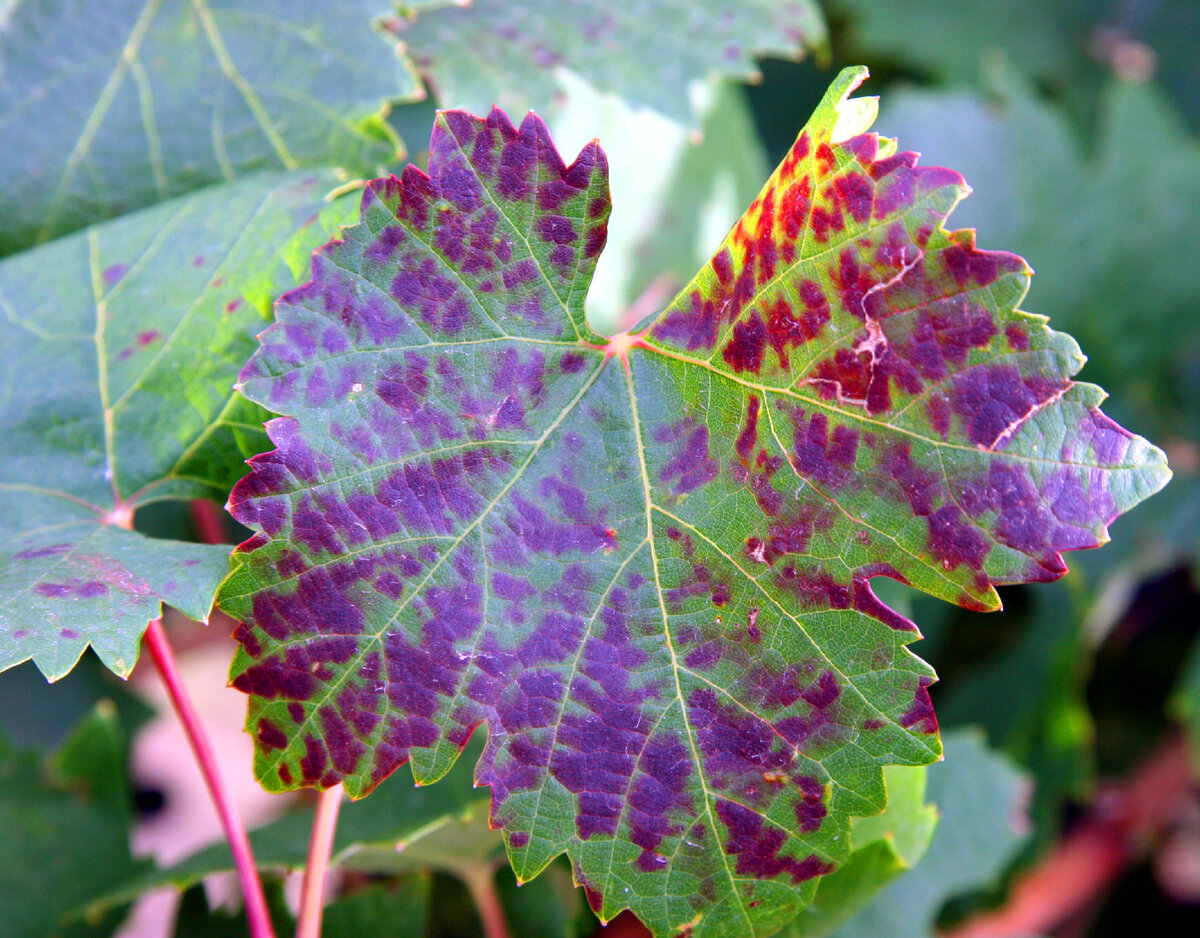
(882, 847)
(644, 562)
(105, 108)
(492, 52)
(120, 345)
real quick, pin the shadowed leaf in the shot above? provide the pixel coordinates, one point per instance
(492, 52)
(644, 562)
(105, 108)
(120, 346)
(400, 815)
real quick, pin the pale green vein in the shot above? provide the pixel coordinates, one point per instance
(238, 80)
(99, 112)
(669, 645)
(150, 125)
(371, 640)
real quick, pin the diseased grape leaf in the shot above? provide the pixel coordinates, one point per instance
(981, 798)
(120, 345)
(1085, 220)
(493, 52)
(1085, 217)
(106, 108)
(644, 562)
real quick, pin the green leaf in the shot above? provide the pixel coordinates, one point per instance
(66, 823)
(644, 562)
(120, 346)
(948, 42)
(105, 109)
(398, 910)
(493, 52)
(195, 919)
(1071, 47)
(981, 799)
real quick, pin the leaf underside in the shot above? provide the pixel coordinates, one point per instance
(120, 345)
(647, 51)
(644, 563)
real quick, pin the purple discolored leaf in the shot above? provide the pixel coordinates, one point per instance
(644, 562)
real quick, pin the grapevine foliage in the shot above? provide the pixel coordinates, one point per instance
(643, 563)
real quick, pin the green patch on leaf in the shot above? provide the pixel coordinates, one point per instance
(644, 562)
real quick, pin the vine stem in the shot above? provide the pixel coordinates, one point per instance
(480, 879)
(235, 832)
(320, 847)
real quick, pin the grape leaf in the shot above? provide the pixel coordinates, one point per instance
(1085, 220)
(195, 919)
(120, 344)
(644, 561)
(108, 108)
(493, 52)
(399, 814)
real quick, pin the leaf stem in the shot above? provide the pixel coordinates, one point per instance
(480, 879)
(209, 520)
(235, 832)
(320, 846)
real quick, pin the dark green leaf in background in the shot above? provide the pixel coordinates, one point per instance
(119, 347)
(64, 831)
